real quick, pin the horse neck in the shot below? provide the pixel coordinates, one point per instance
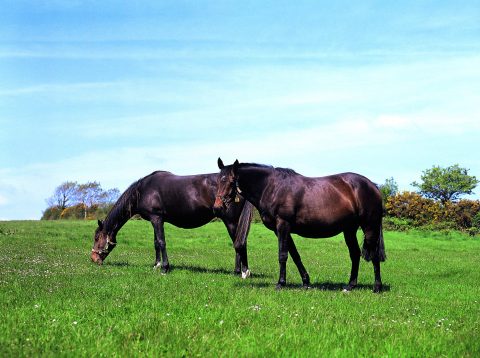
(120, 213)
(252, 182)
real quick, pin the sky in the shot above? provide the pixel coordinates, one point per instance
(111, 91)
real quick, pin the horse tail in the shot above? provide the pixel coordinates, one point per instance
(374, 250)
(243, 225)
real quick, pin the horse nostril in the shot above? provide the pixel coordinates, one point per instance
(217, 204)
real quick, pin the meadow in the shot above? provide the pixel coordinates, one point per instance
(55, 302)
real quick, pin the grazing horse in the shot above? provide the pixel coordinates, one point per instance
(311, 207)
(184, 201)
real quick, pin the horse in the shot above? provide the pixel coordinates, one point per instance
(184, 201)
(310, 207)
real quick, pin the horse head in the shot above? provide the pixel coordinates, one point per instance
(226, 185)
(102, 244)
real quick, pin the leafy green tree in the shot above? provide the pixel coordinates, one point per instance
(389, 188)
(446, 184)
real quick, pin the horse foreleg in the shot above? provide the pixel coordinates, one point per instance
(354, 250)
(292, 249)
(160, 245)
(283, 232)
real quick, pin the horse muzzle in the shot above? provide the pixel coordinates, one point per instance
(218, 205)
(96, 258)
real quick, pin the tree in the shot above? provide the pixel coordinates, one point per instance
(64, 195)
(389, 188)
(90, 194)
(76, 201)
(446, 184)
(111, 196)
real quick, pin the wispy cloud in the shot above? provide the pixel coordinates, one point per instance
(53, 89)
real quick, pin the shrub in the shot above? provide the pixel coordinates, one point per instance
(420, 211)
(396, 224)
(52, 213)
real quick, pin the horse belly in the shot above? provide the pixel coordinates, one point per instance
(317, 231)
(188, 219)
(321, 226)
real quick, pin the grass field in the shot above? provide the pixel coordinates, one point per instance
(55, 302)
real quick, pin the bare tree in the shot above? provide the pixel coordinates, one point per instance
(86, 198)
(64, 195)
(90, 194)
(111, 196)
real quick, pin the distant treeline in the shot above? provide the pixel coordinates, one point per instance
(80, 201)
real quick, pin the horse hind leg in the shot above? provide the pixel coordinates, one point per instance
(354, 250)
(377, 287)
(374, 250)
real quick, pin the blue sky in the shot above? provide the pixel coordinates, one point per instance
(111, 91)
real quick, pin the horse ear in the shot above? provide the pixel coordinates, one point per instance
(100, 224)
(220, 164)
(235, 167)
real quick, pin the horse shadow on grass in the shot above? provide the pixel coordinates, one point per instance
(195, 269)
(191, 268)
(218, 271)
(118, 264)
(322, 286)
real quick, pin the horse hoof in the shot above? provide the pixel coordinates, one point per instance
(280, 286)
(246, 274)
(348, 288)
(377, 289)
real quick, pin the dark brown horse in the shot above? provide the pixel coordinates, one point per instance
(311, 207)
(184, 201)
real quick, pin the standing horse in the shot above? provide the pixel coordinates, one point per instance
(311, 207)
(184, 201)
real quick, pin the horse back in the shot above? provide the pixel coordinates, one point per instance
(185, 201)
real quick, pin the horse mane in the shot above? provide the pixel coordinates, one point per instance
(125, 205)
(286, 171)
(255, 165)
(282, 171)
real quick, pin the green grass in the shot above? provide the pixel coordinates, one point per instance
(55, 302)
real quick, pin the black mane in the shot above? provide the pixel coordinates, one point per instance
(124, 205)
(284, 172)
(255, 165)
